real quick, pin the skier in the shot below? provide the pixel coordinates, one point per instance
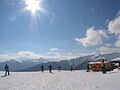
(42, 68)
(88, 68)
(50, 68)
(59, 68)
(112, 67)
(71, 68)
(103, 66)
(7, 70)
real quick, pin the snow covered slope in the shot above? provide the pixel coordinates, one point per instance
(65, 80)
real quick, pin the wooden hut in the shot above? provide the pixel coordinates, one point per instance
(96, 65)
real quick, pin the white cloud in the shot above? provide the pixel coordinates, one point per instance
(29, 55)
(20, 55)
(117, 43)
(104, 49)
(69, 53)
(60, 57)
(54, 49)
(93, 37)
(23, 55)
(4, 57)
(57, 53)
(49, 52)
(114, 25)
(53, 53)
(108, 45)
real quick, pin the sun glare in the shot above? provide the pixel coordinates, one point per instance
(33, 6)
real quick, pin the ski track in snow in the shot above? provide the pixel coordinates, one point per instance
(65, 80)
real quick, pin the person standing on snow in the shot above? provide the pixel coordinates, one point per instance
(103, 66)
(42, 68)
(7, 70)
(88, 68)
(50, 68)
(59, 68)
(71, 68)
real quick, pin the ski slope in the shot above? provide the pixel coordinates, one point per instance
(65, 80)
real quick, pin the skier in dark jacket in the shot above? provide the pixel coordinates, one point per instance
(59, 68)
(50, 68)
(42, 68)
(88, 68)
(7, 70)
(71, 68)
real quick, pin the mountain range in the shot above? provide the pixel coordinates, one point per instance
(78, 63)
(15, 65)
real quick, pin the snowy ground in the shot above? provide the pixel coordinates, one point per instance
(65, 80)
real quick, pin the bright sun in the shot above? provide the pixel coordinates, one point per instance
(33, 6)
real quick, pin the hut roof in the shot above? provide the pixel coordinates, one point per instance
(116, 60)
(97, 62)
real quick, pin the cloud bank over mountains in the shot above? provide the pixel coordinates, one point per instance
(25, 55)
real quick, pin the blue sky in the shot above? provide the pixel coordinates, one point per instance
(65, 28)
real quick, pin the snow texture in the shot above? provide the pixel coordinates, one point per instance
(65, 80)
